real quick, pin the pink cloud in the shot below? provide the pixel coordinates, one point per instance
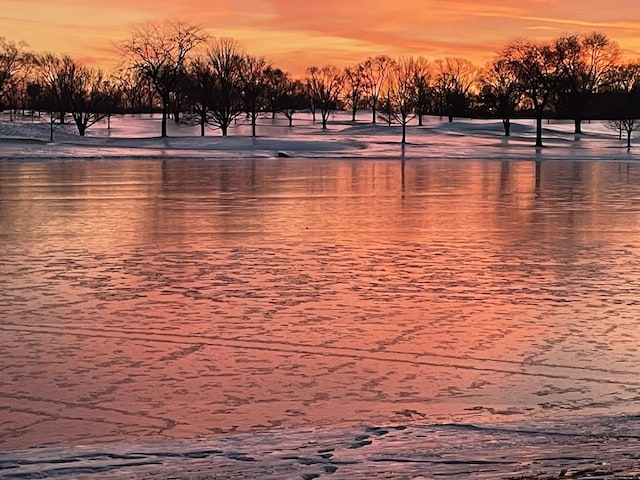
(299, 33)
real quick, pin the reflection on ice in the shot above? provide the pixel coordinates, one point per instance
(164, 299)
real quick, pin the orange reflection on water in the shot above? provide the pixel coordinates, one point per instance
(187, 298)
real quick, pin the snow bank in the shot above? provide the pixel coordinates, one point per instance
(136, 136)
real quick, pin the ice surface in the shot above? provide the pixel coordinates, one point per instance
(603, 448)
(356, 311)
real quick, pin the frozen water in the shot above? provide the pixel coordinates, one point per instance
(602, 449)
(251, 316)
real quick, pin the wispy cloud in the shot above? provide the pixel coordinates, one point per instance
(295, 33)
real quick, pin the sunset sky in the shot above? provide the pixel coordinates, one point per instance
(294, 34)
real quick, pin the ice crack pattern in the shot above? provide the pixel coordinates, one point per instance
(230, 303)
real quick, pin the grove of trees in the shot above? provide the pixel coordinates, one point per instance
(179, 71)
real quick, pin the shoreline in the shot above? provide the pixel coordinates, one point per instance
(525, 450)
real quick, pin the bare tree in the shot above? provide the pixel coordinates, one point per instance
(324, 85)
(178, 102)
(135, 90)
(424, 90)
(537, 68)
(110, 98)
(253, 87)
(89, 101)
(403, 92)
(159, 51)
(199, 89)
(354, 87)
(11, 60)
(71, 87)
(214, 87)
(584, 61)
(14, 94)
(225, 60)
(59, 76)
(375, 70)
(624, 80)
(277, 82)
(627, 125)
(454, 78)
(501, 92)
(34, 92)
(293, 99)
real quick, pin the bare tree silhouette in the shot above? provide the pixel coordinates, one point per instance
(423, 75)
(375, 70)
(253, 87)
(199, 88)
(90, 100)
(225, 60)
(159, 51)
(454, 78)
(354, 87)
(537, 68)
(584, 61)
(625, 80)
(324, 85)
(501, 91)
(276, 84)
(293, 99)
(403, 92)
(11, 60)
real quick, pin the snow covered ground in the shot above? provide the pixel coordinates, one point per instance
(137, 136)
(535, 451)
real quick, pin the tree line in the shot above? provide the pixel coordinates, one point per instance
(178, 70)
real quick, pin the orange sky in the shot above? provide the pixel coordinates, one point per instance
(294, 34)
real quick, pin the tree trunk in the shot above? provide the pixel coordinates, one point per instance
(224, 130)
(404, 132)
(578, 126)
(420, 120)
(373, 106)
(202, 124)
(628, 139)
(353, 115)
(506, 123)
(450, 118)
(539, 130)
(165, 108)
(253, 124)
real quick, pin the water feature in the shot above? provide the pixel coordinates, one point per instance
(174, 300)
